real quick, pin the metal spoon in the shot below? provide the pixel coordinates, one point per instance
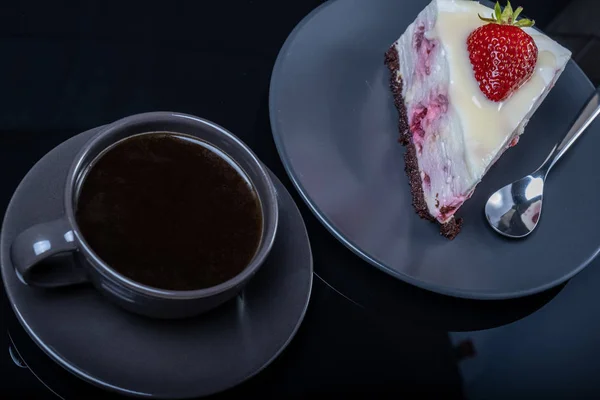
(514, 210)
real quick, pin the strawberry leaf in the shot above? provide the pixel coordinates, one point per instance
(522, 23)
(492, 20)
(498, 12)
(507, 14)
(517, 13)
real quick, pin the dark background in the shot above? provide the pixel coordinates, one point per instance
(70, 66)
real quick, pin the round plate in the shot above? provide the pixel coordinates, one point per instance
(134, 355)
(336, 130)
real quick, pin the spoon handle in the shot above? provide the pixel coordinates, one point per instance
(586, 116)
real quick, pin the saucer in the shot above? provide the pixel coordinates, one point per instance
(138, 356)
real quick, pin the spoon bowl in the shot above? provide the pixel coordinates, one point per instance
(514, 211)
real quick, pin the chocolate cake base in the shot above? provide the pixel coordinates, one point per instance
(411, 166)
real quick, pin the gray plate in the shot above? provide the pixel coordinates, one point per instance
(335, 128)
(138, 356)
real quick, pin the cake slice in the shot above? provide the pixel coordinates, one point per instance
(466, 79)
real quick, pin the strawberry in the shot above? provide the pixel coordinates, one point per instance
(502, 54)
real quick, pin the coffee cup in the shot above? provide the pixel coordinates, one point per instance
(38, 253)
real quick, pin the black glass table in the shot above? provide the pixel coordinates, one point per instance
(70, 67)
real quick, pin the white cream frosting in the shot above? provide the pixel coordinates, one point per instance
(475, 130)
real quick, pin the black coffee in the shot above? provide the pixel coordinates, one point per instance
(168, 211)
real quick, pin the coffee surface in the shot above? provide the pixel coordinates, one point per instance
(168, 211)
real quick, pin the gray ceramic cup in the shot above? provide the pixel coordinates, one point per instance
(55, 254)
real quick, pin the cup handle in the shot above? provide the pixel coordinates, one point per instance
(42, 255)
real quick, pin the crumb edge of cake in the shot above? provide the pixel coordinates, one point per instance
(411, 166)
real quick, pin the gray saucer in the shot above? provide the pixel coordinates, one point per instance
(134, 355)
(336, 130)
